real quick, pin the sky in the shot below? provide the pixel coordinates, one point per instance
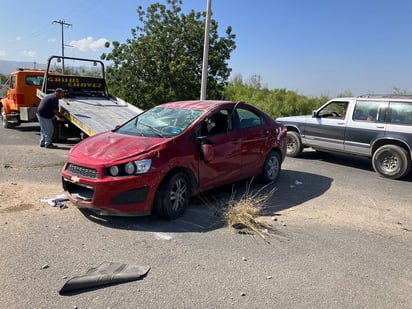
(316, 47)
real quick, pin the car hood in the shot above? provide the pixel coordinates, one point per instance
(299, 119)
(111, 146)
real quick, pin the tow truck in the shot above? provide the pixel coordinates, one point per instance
(88, 107)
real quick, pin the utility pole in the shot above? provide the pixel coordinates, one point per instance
(205, 52)
(62, 23)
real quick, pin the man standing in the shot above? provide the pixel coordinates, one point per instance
(48, 108)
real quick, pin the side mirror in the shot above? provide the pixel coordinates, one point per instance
(314, 114)
(206, 148)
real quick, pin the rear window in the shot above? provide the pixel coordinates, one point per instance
(400, 113)
(34, 80)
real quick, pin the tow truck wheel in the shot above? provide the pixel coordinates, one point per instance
(4, 121)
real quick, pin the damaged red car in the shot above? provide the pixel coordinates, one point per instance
(159, 159)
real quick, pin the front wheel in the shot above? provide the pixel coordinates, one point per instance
(294, 144)
(272, 167)
(391, 161)
(4, 121)
(172, 196)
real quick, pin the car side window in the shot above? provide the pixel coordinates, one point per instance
(400, 113)
(249, 119)
(217, 123)
(370, 111)
(335, 109)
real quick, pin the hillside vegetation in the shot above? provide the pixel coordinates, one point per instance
(275, 102)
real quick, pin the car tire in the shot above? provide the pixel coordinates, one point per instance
(294, 144)
(391, 161)
(272, 167)
(172, 196)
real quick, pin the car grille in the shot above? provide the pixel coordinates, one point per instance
(81, 171)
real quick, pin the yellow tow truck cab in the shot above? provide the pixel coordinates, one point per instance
(21, 101)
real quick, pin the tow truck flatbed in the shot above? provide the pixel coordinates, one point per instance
(87, 103)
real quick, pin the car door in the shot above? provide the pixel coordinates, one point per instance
(326, 129)
(223, 164)
(255, 141)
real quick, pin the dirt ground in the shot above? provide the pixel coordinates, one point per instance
(375, 214)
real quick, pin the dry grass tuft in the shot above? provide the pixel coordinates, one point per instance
(243, 213)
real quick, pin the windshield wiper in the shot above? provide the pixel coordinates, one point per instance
(157, 131)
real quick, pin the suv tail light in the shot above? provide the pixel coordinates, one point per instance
(19, 98)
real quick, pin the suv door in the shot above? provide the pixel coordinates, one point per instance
(367, 124)
(326, 128)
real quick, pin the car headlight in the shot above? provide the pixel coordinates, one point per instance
(130, 168)
(114, 170)
(143, 166)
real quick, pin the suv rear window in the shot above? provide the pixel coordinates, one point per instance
(401, 113)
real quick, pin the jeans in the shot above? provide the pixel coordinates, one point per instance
(46, 130)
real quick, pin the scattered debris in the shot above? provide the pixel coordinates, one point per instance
(296, 183)
(107, 273)
(57, 201)
(162, 236)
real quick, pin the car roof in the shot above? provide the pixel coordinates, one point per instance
(383, 98)
(197, 104)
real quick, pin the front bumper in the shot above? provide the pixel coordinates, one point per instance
(131, 195)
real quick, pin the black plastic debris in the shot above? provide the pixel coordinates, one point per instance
(107, 273)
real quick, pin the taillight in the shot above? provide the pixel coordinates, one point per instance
(19, 98)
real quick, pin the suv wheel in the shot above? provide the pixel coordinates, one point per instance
(172, 196)
(294, 144)
(391, 161)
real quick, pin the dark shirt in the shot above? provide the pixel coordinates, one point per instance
(48, 105)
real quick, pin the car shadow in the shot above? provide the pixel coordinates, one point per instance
(28, 128)
(344, 160)
(206, 211)
(347, 161)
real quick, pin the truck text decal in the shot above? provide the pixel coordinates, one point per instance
(75, 82)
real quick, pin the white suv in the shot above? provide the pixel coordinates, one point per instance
(377, 127)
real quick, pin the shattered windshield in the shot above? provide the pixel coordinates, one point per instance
(161, 122)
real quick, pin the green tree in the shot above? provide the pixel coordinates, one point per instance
(3, 79)
(3, 88)
(163, 59)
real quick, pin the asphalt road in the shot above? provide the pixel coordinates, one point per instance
(342, 238)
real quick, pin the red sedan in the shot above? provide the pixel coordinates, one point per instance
(160, 158)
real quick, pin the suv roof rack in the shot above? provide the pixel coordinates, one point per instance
(398, 96)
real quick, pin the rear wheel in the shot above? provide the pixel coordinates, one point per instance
(272, 167)
(172, 196)
(391, 161)
(294, 144)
